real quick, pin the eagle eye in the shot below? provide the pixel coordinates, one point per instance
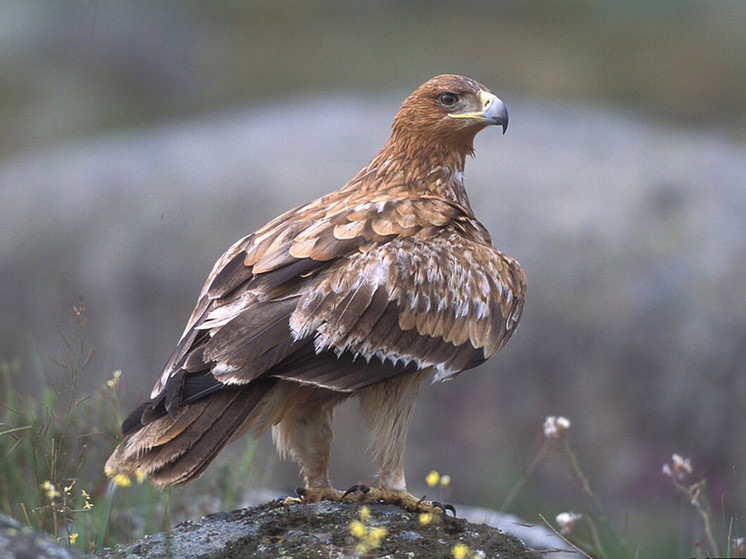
(448, 99)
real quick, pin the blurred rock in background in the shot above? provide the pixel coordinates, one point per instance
(142, 139)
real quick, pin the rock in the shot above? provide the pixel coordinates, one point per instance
(274, 530)
(21, 542)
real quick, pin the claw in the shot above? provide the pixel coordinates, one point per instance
(445, 508)
(364, 489)
(300, 492)
(314, 495)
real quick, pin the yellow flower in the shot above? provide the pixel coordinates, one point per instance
(369, 538)
(358, 529)
(114, 381)
(87, 505)
(376, 535)
(140, 475)
(122, 480)
(73, 538)
(445, 480)
(432, 478)
(460, 551)
(426, 518)
(364, 513)
(50, 489)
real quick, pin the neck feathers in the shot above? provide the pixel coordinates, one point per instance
(414, 170)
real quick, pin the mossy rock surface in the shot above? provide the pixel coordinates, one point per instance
(321, 530)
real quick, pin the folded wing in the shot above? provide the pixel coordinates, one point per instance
(345, 300)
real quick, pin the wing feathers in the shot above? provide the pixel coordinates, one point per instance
(250, 335)
(345, 372)
(230, 276)
(414, 302)
(345, 315)
(278, 258)
(216, 421)
(340, 303)
(369, 317)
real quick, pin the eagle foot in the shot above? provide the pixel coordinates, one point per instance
(314, 495)
(402, 499)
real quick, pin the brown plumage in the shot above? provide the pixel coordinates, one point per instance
(365, 292)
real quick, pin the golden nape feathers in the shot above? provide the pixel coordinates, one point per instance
(365, 292)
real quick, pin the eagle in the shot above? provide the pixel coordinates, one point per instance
(366, 292)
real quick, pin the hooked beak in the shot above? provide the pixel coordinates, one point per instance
(493, 111)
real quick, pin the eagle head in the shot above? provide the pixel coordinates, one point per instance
(448, 111)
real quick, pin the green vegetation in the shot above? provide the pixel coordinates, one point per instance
(53, 447)
(50, 444)
(593, 534)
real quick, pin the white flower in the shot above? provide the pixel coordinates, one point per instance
(555, 427)
(681, 464)
(567, 521)
(680, 469)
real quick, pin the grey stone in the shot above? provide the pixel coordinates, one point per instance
(22, 542)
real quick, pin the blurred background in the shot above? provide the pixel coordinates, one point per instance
(140, 139)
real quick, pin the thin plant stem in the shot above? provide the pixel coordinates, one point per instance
(563, 538)
(526, 475)
(585, 482)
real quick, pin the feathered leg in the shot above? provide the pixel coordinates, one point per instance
(388, 407)
(304, 434)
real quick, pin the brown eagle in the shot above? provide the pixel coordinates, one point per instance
(366, 292)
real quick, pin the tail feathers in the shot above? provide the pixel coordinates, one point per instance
(176, 451)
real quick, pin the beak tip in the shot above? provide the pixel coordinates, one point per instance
(499, 113)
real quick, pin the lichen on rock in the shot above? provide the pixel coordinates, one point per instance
(323, 530)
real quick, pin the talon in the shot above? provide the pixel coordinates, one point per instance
(437, 505)
(364, 489)
(314, 495)
(445, 508)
